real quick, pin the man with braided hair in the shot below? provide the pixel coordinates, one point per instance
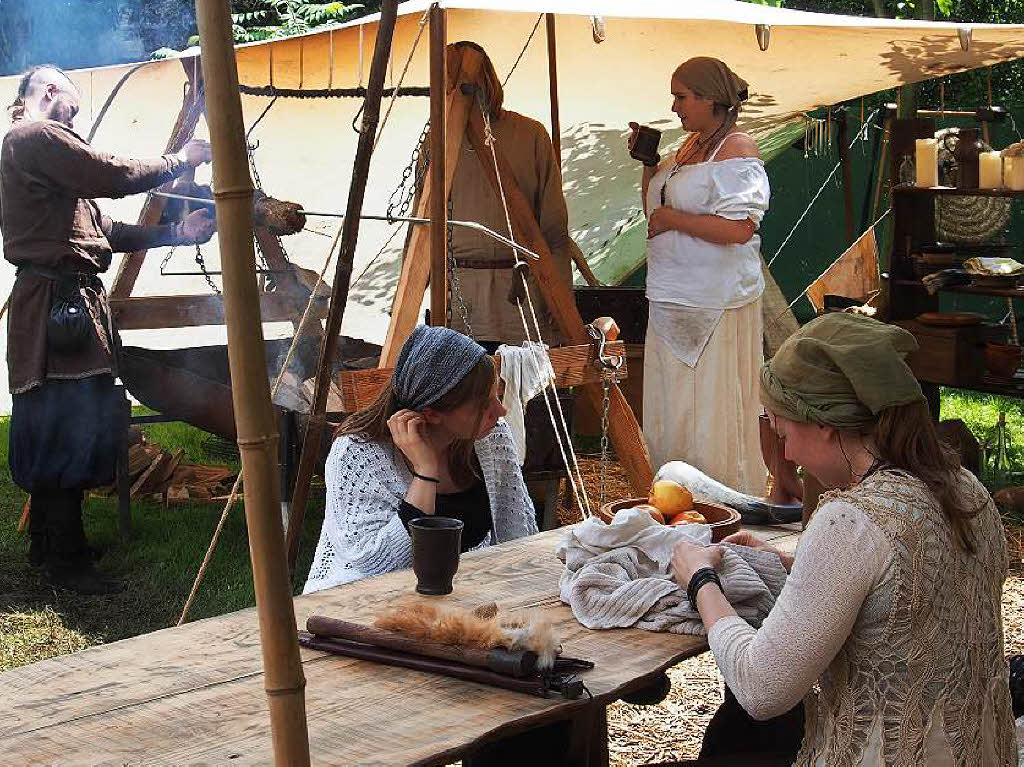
(67, 414)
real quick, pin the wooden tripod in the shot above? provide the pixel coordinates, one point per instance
(464, 121)
(286, 302)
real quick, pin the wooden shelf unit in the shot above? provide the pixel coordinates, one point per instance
(913, 210)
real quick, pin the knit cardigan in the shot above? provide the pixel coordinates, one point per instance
(362, 533)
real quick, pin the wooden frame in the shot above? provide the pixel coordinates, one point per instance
(573, 365)
(285, 304)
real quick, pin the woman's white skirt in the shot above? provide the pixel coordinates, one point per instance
(707, 415)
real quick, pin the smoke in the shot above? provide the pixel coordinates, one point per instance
(88, 33)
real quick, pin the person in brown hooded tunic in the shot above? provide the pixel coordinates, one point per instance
(67, 414)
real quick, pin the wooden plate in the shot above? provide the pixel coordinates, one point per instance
(950, 319)
(722, 520)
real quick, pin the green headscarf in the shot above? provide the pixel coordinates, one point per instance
(840, 370)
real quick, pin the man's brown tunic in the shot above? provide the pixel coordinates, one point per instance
(48, 177)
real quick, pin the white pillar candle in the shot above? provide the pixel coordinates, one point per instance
(1013, 173)
(927, 162)
(990, 170)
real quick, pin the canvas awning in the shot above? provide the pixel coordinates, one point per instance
(306, 146)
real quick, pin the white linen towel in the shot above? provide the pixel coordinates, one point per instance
(619, 575)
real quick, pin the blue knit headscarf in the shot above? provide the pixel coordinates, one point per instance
(432, 362)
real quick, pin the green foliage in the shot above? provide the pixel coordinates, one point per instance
(269, 19)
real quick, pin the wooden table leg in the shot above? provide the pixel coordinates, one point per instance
(588, 742)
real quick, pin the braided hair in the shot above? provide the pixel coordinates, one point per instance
(16, 110)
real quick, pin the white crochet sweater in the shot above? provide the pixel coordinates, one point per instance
(366, 482)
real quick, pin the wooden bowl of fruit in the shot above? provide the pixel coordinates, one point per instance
(672, 504)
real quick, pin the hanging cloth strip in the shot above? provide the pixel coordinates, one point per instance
(526, 371)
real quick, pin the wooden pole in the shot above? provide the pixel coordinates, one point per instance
(556, 134)
(844, 159)
(438, 162)
(254, 416)
(556, 125)
(313, 439)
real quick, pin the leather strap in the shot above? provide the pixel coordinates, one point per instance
(485, 263)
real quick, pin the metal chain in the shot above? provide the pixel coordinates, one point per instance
(250, 148)
(454, 290)
(206, 274)
(401, 199)
(606, 382)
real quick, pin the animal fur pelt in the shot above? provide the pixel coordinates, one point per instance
(483, 628)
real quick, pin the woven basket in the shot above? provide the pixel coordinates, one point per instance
(722, 520)
(965, 220)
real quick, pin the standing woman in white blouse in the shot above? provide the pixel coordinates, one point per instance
(704, 283)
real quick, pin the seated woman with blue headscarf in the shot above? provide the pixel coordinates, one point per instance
(433, 442)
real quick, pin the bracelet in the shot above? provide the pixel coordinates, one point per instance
(701, 578)
(435, 480)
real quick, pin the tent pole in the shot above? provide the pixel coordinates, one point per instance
(313, 440)
(556, 134)
(556, 126)
(438, 161)
(254, 417)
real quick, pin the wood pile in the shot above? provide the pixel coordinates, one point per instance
(161, 475)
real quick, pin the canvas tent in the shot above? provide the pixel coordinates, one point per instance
(306, 145)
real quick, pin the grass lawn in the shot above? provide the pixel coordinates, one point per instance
(159, 565)
(160, 562)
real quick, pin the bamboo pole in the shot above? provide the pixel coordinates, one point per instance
(438, 162)
(254, 417)
(313, 438)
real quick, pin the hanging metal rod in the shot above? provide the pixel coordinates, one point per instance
(475, 226)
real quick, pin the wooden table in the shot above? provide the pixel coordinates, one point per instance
(194, 694)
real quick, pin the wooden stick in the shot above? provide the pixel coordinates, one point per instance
(313, 439)
(518, 663)
(254, 416)
(146, 312)
(26, 512)
(556, 126)
(431, 665)
(438, 163)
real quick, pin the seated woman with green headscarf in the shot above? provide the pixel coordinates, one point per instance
(889, 624)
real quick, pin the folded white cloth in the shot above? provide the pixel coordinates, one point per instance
(619, 575)
(526, 370)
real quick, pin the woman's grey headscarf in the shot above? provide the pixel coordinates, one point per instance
(432, 362)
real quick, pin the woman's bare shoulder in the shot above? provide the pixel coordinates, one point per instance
(738, 145)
